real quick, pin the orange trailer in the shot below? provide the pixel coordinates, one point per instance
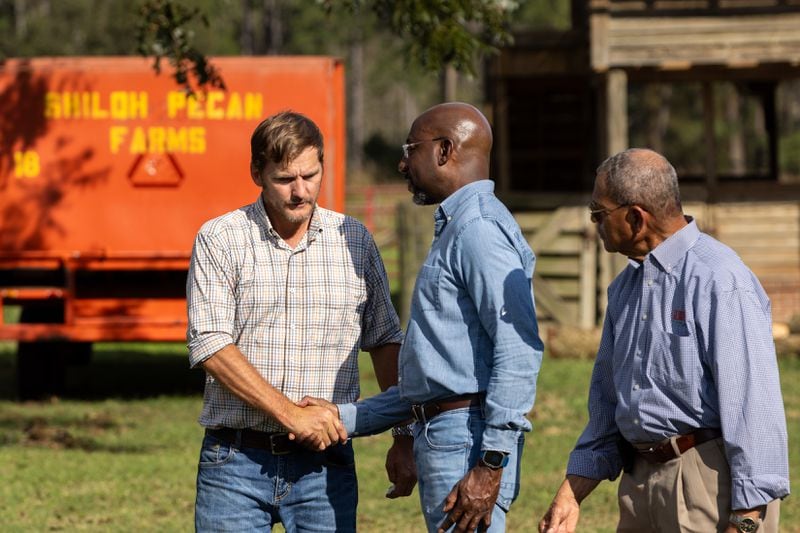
(107, 171)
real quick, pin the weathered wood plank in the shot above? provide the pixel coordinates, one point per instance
(666, 41)
(548, 299)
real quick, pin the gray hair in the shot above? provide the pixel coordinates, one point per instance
(642, 177)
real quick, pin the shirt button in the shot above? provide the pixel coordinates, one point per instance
(636, 386)
(650, 282)
(644, 316)
(292, 290)
(293, 327)
(636, 421)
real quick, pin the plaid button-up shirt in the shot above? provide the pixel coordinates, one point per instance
(298, 315)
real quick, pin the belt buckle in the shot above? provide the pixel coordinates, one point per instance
(418, 410)
(278, 444)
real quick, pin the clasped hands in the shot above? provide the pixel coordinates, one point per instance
(317, 425)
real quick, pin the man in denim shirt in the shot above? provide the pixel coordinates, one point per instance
(685, 394)
(472, 352)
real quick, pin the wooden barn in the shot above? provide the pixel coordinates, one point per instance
(712, 84)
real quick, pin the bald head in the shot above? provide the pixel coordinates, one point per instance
(642, 177)
(468, 130)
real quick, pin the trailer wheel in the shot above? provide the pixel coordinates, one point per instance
(41, 366)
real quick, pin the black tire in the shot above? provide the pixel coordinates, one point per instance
(42, 366)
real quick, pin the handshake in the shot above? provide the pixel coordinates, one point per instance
(315, 424)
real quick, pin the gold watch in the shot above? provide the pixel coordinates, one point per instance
(744, 524)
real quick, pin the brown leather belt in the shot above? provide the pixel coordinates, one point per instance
(425, 411)
(663, 451)
(275, 443)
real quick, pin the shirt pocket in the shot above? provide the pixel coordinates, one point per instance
(674, 362)
(335, 317)
(426, 291)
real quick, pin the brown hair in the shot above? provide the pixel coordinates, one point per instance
(282, 137)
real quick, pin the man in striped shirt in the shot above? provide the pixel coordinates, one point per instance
(685, 394)
(282, 294)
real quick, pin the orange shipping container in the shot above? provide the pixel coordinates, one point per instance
(107, 170)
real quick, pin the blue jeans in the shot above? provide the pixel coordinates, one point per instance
(249, 489)
(445, 448)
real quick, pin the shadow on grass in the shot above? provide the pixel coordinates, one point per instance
(122, 371)
(55, 433)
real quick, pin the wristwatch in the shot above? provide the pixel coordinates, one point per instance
(744, 524)
(494, 459)
(406, 430)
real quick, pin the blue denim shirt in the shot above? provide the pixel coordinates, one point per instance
(687, 344)
(472, 326)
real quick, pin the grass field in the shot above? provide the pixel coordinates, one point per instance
(118, 452)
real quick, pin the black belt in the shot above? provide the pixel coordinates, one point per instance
(663, 451)
(425, 411)
(275, 443)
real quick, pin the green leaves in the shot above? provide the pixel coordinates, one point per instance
(162, 33)
(438, 33)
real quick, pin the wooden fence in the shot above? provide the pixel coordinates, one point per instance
(573, 271)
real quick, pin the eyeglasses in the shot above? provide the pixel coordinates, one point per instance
(407, 147)
(596, 214)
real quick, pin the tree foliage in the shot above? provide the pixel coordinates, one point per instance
(442, 33)
(163, 33)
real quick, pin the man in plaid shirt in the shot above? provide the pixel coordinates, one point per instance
(282, 294)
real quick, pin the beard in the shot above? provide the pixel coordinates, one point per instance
(283, 211)
(418, 196)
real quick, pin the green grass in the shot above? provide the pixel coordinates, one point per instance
(124, 459)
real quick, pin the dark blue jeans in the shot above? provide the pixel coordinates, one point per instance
(248, 489)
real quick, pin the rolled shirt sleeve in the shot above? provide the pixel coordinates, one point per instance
(750, 401)
(210, 299)
(498, 280)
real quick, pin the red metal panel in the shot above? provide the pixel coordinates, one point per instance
(105, 165)
(102, 155)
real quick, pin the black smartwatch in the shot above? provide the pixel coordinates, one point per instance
(494, 459)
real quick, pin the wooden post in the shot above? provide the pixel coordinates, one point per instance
(502, 133)
(709, 117)
(588, 278)
(414, 234)
(616, 119)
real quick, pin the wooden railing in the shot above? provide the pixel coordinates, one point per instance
(649, 8)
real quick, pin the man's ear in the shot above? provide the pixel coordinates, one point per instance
(637, 218)
(445, 151)
(255, 175)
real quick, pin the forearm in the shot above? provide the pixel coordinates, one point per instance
(577, 487)
(384, 361)
(375, 414)
(235, 373)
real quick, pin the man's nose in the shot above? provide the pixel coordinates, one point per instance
(402, 166)
(299, 187)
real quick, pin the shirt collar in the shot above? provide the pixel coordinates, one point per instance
(670, 252)
(447, 209)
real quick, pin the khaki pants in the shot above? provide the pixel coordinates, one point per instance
(690, 494)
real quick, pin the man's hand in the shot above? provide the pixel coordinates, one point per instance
(472, 500)
(564, 511)
(400, 467)
(312, 400)
(316, 426)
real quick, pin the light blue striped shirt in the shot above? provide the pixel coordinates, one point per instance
(687, 344)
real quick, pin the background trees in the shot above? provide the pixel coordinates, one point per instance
(401, 55)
